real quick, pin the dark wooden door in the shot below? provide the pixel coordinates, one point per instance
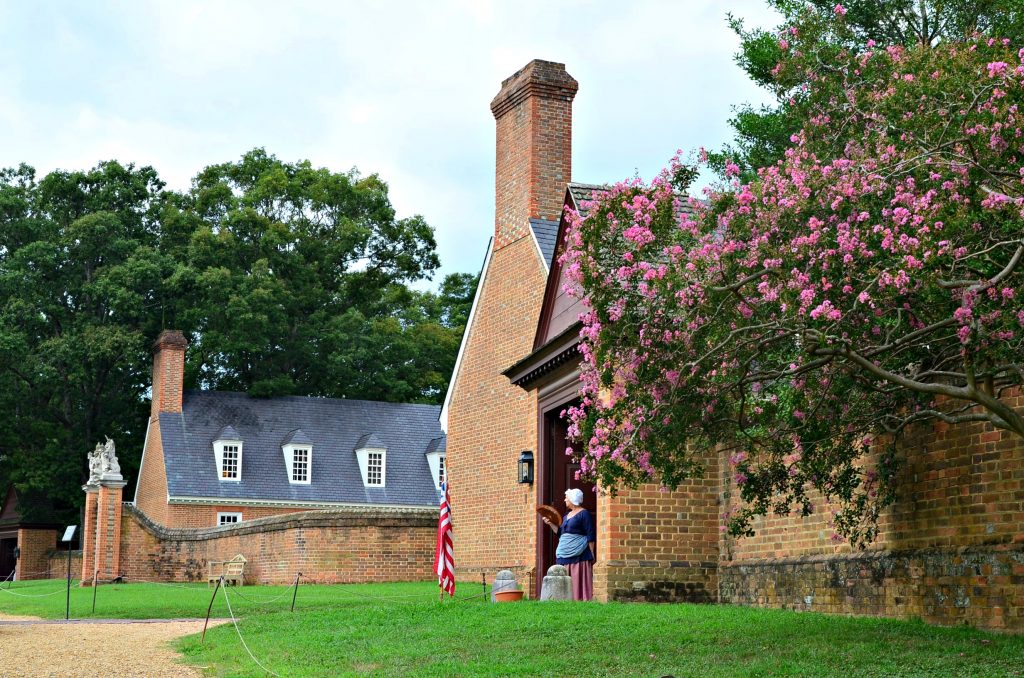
(559, 474)
(7, 560)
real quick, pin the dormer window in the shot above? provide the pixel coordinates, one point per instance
(436, 460)
(298, 457)
(372, 456)
(227, 451)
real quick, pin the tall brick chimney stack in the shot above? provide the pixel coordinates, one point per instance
(533, 112)
(168, 371)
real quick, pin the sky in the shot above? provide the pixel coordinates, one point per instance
(397, 88)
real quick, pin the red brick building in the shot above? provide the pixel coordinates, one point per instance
(341, 490)
(28, 533)
(950, 550)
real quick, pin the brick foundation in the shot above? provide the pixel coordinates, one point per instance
(981, 586)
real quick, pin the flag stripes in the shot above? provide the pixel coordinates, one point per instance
(444, 555)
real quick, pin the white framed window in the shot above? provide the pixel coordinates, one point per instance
(229, 463)
(375, 468)
(440, 471)
(298, 462)
(226, 518)
(300, 465)
(228, 454)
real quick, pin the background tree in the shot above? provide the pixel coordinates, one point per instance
(869, 281)
(81, 276)
(762, 133)
(287, 279)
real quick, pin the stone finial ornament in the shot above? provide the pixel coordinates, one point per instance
(111, 469)
(557, 584)
(95, 465)
(103, 465)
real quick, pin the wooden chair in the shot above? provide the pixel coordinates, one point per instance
(232, 570)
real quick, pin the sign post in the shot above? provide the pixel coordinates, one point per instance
(69, 533)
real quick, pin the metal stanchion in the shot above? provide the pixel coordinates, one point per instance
(95, 585)
(210, 608)
(296, 590)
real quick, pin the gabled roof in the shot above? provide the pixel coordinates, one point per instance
(296, 437)
(438, 445)
(370, 440)
(228, 433)
(336, 428)
(583, 192)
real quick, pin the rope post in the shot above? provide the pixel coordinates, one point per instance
(296, 590)
(210, 608)
(95, 585)
(483, 581)
(67, 611)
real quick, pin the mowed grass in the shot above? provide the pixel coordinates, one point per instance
(402, 630)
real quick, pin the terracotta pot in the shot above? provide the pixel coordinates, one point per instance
(508, 596)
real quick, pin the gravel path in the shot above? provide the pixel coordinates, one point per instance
(87, 649)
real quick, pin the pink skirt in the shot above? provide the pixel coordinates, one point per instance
(582, 575)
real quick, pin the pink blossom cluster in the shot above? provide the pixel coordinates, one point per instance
(800, 317)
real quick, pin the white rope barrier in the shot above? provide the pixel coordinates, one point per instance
(239, 632)
(34, 595)
(286, 592)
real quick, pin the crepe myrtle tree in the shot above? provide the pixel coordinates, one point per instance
(868, 282)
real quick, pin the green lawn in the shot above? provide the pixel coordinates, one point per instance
(402, 630)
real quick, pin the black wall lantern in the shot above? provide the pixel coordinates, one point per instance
(526, 467)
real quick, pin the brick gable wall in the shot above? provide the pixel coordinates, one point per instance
(490, 421)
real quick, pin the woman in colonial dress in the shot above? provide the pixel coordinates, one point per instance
(576, 537)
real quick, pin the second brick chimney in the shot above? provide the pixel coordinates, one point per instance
(168, 371)
(533, 113)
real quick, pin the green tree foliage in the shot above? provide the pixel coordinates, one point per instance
(80, 278)
(287, 279)
(763, 133)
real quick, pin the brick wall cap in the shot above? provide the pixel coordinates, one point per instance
(339, 517)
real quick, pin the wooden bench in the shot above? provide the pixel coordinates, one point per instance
(232, 570)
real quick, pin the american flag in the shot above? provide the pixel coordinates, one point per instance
(444, 556)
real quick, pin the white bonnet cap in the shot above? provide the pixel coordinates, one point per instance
(575, 495)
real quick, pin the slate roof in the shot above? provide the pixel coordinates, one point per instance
(334, 428)
(546, 233)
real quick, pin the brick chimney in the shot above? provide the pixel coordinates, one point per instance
(533, 113)
(168, 371)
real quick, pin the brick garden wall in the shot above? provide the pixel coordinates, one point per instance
(332, 546)
(950, 550)
(58, 564)
(35, 545)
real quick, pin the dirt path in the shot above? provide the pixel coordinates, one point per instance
(32, 647)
